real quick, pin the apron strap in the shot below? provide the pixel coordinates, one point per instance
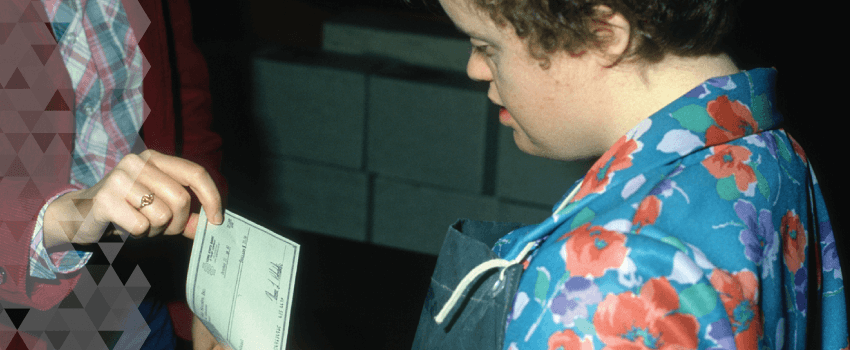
(477, 271)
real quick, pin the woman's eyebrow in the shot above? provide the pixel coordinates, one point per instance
(467, 32)
(474, 35)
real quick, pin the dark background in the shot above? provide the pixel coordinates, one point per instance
(803, 42)
(356, 295)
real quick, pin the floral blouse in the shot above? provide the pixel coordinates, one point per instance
(698, 229)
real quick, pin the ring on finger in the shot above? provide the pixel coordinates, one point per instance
(146, 200)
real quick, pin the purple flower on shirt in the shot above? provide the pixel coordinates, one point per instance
(698, 92)
(724, 83)
(665, 187)
(769, 142)
(830, 254)
(720, 332)
(759, 236)
(800, 289)
(571, 303)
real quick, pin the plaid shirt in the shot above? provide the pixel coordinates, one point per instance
(101, 53)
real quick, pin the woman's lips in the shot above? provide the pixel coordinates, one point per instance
(504, 115)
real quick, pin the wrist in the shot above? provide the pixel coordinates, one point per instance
(61, 221)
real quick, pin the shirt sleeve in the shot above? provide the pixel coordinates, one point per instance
(46, 265)
(40, 169)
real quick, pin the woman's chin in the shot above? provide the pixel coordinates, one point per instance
(526, 146)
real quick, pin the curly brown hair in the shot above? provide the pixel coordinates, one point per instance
(686, 28)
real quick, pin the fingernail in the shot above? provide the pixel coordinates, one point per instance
(218, 219)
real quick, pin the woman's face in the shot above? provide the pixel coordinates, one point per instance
(559, 112)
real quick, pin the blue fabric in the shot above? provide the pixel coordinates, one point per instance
(161, 329)
(703, 227)
(476, 321)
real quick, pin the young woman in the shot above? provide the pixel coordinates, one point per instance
(700, 226)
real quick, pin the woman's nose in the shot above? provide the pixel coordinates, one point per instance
(477, 68)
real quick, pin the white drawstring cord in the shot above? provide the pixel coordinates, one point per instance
(569, 197)
(478, 270)
(472, 275)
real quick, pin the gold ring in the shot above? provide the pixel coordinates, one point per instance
(146, 200)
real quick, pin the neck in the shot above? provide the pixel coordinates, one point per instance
(651, 87)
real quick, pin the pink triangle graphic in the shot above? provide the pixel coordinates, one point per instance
(6, 161)
(30, 118)
(5, 102)
(17, 139)
(30, 191)
(44, 51)
(67, 139)
(49, 167)
(31, 15)
(5, 31)
(57, 103)
(17, 228)
(17, 168)
(43, 140)
(17, 81)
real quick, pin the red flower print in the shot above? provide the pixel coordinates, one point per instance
(739, 294)
(732, 120)
(593, 250)
(645, 321)
(646, 214)
(568, 340)
(619, 157)
(728, 160)
(794, 241)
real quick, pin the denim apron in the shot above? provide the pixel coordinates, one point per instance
(476, 320)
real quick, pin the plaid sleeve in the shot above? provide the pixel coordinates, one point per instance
(46, 265)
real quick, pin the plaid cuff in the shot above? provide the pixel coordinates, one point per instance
(44, 265)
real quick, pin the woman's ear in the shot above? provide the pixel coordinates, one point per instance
(613, 34)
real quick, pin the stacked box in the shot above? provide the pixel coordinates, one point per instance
(415, 217)
(382, 137)
(314, 198)
(420, 43)
(428, 127)
(311, 106)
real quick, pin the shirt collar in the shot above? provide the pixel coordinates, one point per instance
(717, 111)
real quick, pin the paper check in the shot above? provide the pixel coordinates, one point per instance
(240, 282)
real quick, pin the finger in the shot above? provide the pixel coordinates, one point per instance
(110, 205)
(156, 210)
(191, 226)
(195, 177)
(169, 192)
(122, 214)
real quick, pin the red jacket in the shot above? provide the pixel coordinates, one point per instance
(185, 109)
